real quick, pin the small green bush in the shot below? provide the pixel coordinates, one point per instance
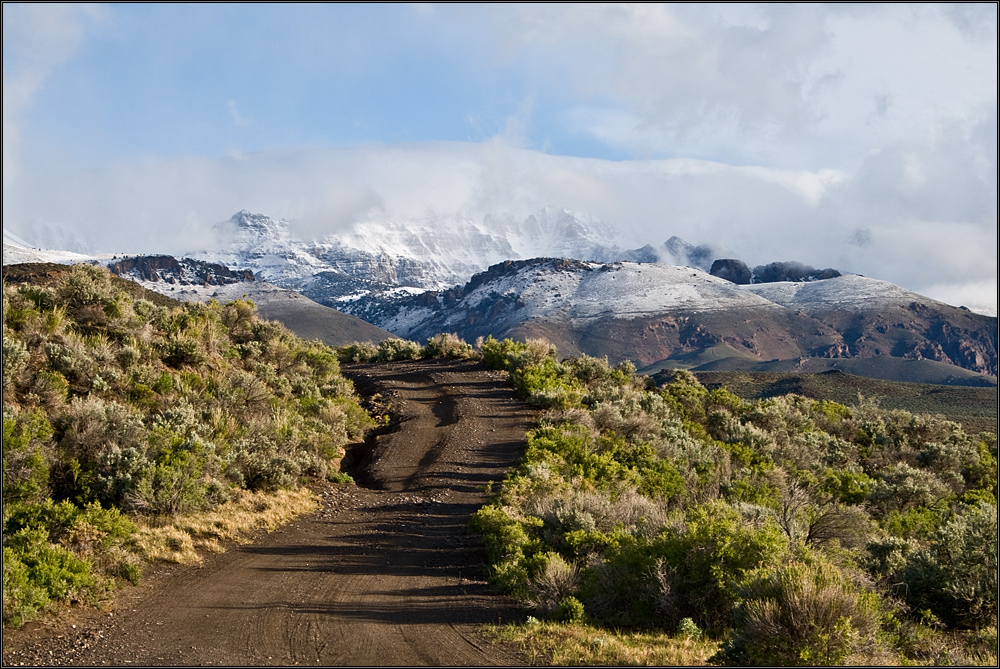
(509, 545)
(687, 629)
(25, 470)
(36, 572)
(23, 598)
(174, 484)
(339, 477)
(714, 553)
(570, 610)
(498, 354)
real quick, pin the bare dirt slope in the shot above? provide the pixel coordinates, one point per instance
(386, 574)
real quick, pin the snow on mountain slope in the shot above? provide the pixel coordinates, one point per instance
(432, 253)
(571, 291)
(265, 246)
(625, 290)
(652, 313)
(851, 292)
(17, 251)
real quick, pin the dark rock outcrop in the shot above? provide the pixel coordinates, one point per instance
(731, 269)
(790, 271)
(644, 254)
(185, 272)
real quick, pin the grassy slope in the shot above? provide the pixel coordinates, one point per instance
(48, 274)
(305, 318)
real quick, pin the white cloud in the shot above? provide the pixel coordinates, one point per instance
(923, 238)
(974, 295)
(799, 86)
(860, 137)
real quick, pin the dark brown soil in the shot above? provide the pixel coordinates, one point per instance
(385, 574)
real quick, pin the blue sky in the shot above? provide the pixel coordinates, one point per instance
(861, 137)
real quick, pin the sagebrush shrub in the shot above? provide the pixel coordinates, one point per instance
(358, 352)
(448, 345)
(91, 427)
(15, 360)
(398, 349)
(554, 581)
(258, 465)
(956, 575)
(801, 613)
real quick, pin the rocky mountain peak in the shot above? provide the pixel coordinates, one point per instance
(247, 220)
(683, 253)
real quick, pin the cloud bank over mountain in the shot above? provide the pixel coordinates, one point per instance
(826, 218)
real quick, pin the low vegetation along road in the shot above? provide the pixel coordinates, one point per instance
(385, 573)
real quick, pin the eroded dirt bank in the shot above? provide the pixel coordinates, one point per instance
(383, 575)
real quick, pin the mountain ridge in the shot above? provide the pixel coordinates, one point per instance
(661, 315)
(656, 314)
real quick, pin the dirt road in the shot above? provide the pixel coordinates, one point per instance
(385, 574)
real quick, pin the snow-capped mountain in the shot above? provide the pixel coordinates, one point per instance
(418, 278)
(430, 254)
(665, 315)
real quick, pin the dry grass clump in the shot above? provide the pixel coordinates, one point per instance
(179, 538)
(584, 645)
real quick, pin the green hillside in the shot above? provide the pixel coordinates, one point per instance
(783, 530)
(122, 408)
